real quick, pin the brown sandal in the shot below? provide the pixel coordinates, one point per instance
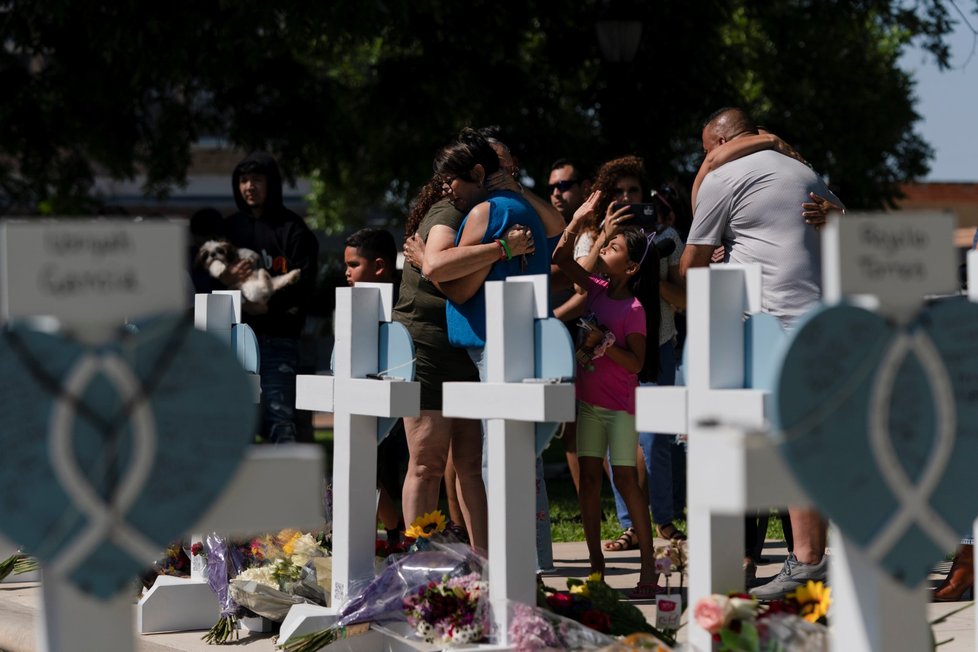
(627, 540)
(645, 591)
(670, 531)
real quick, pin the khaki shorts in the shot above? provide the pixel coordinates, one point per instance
(600, 430)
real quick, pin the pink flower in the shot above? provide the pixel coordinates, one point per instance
(709, 613)
(663, 565)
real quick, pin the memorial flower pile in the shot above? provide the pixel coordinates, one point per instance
(453, 611)
(264, 576)
(596, 605)
(175, 561)
(435, 582)
(739, 622)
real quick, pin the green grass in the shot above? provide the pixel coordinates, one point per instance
(565, 513)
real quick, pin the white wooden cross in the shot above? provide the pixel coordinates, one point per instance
(865, 260)
(356, 403)
(735, 468)
(512, 407)
(260, 498)
(89, 278)
(730, 472)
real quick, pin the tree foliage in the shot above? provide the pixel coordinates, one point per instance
(359, 95)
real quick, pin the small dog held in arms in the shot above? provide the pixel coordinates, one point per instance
(217, 255)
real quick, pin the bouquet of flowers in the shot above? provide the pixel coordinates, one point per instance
(175, 561)
(224, 561)
(593, 603)
(264, 576)
(537, 628)
(453, 611)
(287, 575)
(738, 622)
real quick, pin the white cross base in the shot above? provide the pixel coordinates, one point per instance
(356, 403)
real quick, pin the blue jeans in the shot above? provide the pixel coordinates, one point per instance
(545, 555)
(657, 450)
(279, 360)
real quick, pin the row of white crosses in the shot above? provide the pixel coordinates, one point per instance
(515, 310)
(735, 468)
(271, 489)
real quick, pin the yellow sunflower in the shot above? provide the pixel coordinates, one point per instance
(813, 599)
(425, 526)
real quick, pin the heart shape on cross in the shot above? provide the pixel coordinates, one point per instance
(112, 452)
(879, 423)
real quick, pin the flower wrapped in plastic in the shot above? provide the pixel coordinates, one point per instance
(224, 561)
(452, 611)
(535, 628)
(273, 587)
(595, 604)
(382, 599)
(258, 590)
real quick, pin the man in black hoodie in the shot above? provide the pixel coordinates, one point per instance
(283, 243)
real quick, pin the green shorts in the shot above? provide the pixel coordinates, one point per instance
(600, 430)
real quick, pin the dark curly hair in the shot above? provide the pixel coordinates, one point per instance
(645, 287)
(427, 196)
(608, 175)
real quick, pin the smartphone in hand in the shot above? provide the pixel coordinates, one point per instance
(643, 215)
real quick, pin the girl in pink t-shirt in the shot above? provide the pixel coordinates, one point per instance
(622, 306)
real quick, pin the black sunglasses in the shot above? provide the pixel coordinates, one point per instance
(562, 186)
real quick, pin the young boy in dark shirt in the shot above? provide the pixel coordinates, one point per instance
(370, 256)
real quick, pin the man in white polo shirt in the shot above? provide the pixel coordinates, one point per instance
(751, 207)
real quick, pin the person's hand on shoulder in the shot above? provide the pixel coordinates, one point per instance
(519, 239)
(817, 210)
(414, 251)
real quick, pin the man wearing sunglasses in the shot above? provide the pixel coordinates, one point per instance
(568, 187)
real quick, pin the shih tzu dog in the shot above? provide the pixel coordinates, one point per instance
(217, 255)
